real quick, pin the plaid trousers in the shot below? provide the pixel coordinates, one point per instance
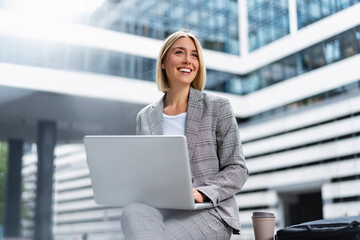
(139, 221)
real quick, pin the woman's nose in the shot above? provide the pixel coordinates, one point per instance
(186, 58)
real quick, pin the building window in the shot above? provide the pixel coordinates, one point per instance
(268, 21)
(289, 66)
(253, 82)
(357, 36)
(13, 50)
(77, 58)
(305, 60)
(347, 44)
(332, 50)
(234, 85)
(149, 66)
(56, 56)
(114, 64)
(97, 61)
(316, 56)
(34, 53)
(2, 48)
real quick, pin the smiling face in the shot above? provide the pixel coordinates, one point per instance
(181, 63)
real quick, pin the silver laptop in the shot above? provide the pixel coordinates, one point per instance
(153, 170)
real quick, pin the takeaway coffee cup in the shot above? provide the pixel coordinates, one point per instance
(264, 225)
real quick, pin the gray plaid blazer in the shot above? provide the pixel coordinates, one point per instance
(216, 158)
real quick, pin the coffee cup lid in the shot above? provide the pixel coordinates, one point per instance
(263, 214)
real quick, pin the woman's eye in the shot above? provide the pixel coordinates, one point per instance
(178, 52)
(195, 55)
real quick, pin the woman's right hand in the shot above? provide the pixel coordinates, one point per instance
(198, 196)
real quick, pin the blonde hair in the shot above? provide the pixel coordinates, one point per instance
(161, 78)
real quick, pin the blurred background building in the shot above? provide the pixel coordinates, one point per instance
(289, 67)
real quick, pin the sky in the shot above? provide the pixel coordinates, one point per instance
(60, 9)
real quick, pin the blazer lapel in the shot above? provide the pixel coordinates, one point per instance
(193, 118)
(156, 116)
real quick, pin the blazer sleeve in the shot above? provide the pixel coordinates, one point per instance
(233, 172)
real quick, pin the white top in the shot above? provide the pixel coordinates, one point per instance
(174, 125)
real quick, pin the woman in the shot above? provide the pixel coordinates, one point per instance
(216, 159)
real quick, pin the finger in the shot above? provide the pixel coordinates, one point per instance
(198, 197)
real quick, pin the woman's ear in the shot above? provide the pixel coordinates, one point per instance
(162, 66)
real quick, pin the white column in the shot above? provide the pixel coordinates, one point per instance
(293, 17)
(243, 28)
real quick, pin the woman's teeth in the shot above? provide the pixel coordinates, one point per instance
(186, 70)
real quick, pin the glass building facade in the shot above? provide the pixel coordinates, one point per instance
(310, 11)
(214, 22)
(76, 58)
(351, 89)
(268, 21)
(84, 59)
(331, 50)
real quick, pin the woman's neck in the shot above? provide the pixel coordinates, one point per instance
(176, 101)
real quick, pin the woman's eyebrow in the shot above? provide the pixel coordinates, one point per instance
(182, 48)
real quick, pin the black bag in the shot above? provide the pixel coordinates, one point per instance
(344, 228)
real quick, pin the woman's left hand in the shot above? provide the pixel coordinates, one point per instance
(198, 196)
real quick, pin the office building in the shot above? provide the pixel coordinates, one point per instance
(290, 69)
